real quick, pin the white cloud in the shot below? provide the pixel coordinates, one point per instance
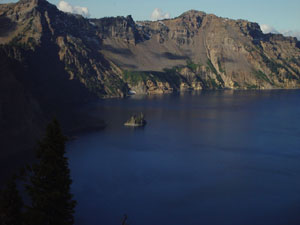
(292, 33)
(66, 7)
(158, 14)
(269, 29)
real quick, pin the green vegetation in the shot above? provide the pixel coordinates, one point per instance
(50, 181)
(220, 66)
(295, 60)
(191, 65)
(251, 86)
(219, 78)
(213, 69)
(47, 185)
(290, 76)
(179, 68)
(213, 83)
(114, 84)
(211, 66)
(273, 66)
(288, 66)
(168, 75)
(262, 76)
(11, 204)
(134, 77)
(236, 84)
(171, 76)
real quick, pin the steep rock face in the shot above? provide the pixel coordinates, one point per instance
(123, 28)
(49, 63)
(206, 51)
(35, 25)
(196, 50)
(50, 59)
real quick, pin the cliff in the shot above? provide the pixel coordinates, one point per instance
(110, 56)
(200, 51)
(50, 59)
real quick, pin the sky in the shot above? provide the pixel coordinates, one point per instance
(273, 15)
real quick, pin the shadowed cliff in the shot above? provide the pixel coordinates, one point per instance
(51, 60)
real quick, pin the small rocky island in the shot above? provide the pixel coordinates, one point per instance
(136, 121)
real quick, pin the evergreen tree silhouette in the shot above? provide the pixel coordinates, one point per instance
(49, 182)
(11, 204)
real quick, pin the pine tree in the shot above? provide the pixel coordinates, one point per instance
(49, 187)
(11, 205)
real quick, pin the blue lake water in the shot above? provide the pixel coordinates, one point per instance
(215, 158)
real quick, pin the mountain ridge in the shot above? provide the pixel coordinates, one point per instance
(52, 59)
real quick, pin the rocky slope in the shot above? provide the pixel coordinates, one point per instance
(49, 63)
(50, 59)
(199, 51)
(40, 28)
(110, 56)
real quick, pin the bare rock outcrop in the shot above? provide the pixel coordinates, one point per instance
(50, 59)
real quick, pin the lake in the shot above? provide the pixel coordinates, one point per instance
(212, 157)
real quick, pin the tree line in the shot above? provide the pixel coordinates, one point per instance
(46, 184)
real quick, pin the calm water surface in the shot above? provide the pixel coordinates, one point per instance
(211, 158)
